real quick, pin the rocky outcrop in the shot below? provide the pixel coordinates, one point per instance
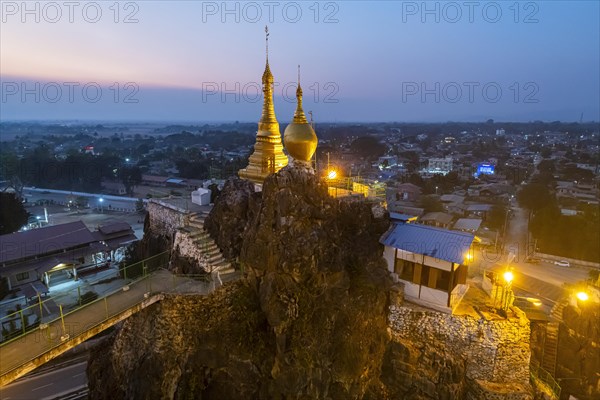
(231, 214)
(316, 266)
(310, 319)
(578, 357)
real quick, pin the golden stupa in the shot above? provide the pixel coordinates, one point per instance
(268, 156)
(299, 137)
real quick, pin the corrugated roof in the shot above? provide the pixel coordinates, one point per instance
(434, 242)
(438, 217)
(21, 245)
(401, 217)
(479, 207)
(469, 224)
(114, 227)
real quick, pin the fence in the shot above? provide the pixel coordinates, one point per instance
(22, 320)
(538, 373)
(27, 351)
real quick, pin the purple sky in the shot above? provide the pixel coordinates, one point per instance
(361, 61)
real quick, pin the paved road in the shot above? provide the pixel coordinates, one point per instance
(48, 385)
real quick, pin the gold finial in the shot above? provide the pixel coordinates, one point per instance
(267, 41)
(299, 116)
(268, 123)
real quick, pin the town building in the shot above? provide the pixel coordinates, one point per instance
(31, 258)
(439, 165)
(431, 263)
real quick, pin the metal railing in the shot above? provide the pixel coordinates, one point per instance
(84, 320)
(24, 319)
(538, 373)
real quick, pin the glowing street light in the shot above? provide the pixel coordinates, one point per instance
(583, 296)
(468, 257)
(508, 277)
(332, 174)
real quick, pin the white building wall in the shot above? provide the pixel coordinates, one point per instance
(388, 255)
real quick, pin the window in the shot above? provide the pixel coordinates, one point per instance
(443, 280)
(408, 270)
(22, 276)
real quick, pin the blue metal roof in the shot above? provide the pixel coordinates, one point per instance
(401, 217)
(433, 242)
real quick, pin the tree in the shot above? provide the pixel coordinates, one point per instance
(496, 217)
(12, 213)
(368, 147)
(534, 197)
(431, 204)
(214, 192)
(130, 177)
(546, 152)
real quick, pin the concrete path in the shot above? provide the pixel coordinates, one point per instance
(40, 345)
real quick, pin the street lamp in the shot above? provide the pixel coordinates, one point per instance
(583, 296)
(468, 256)
(332, 174)
(505, 298)
(101, 200)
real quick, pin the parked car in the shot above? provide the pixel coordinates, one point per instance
(562, 263)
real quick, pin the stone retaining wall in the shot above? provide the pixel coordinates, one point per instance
(493, 351)
(165, 219)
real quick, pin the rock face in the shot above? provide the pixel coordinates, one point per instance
(237, 205)
(316, 267)
(578, 358)
(310, 319)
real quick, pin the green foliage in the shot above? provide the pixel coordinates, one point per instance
(568, 236)
(496, 217)
(12, 213)
(534, 197)
(139, 205)
(368, 147)
(131, 177)
(431, 204)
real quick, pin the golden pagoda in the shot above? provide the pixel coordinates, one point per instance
(299, 137)
(268, 156)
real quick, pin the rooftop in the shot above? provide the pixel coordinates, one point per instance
(433, 242)
(31, 243)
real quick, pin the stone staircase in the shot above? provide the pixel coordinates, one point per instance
(207, 245)
(557, 310)
(550, 348)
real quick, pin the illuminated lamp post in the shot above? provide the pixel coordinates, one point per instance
(582, 296)
(506, 289)
(101, 200)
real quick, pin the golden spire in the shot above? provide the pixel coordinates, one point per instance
(268, 122)
(268, 156)
(299, 117)
(299, 137)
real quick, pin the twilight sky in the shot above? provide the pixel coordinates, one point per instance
(361, 61)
